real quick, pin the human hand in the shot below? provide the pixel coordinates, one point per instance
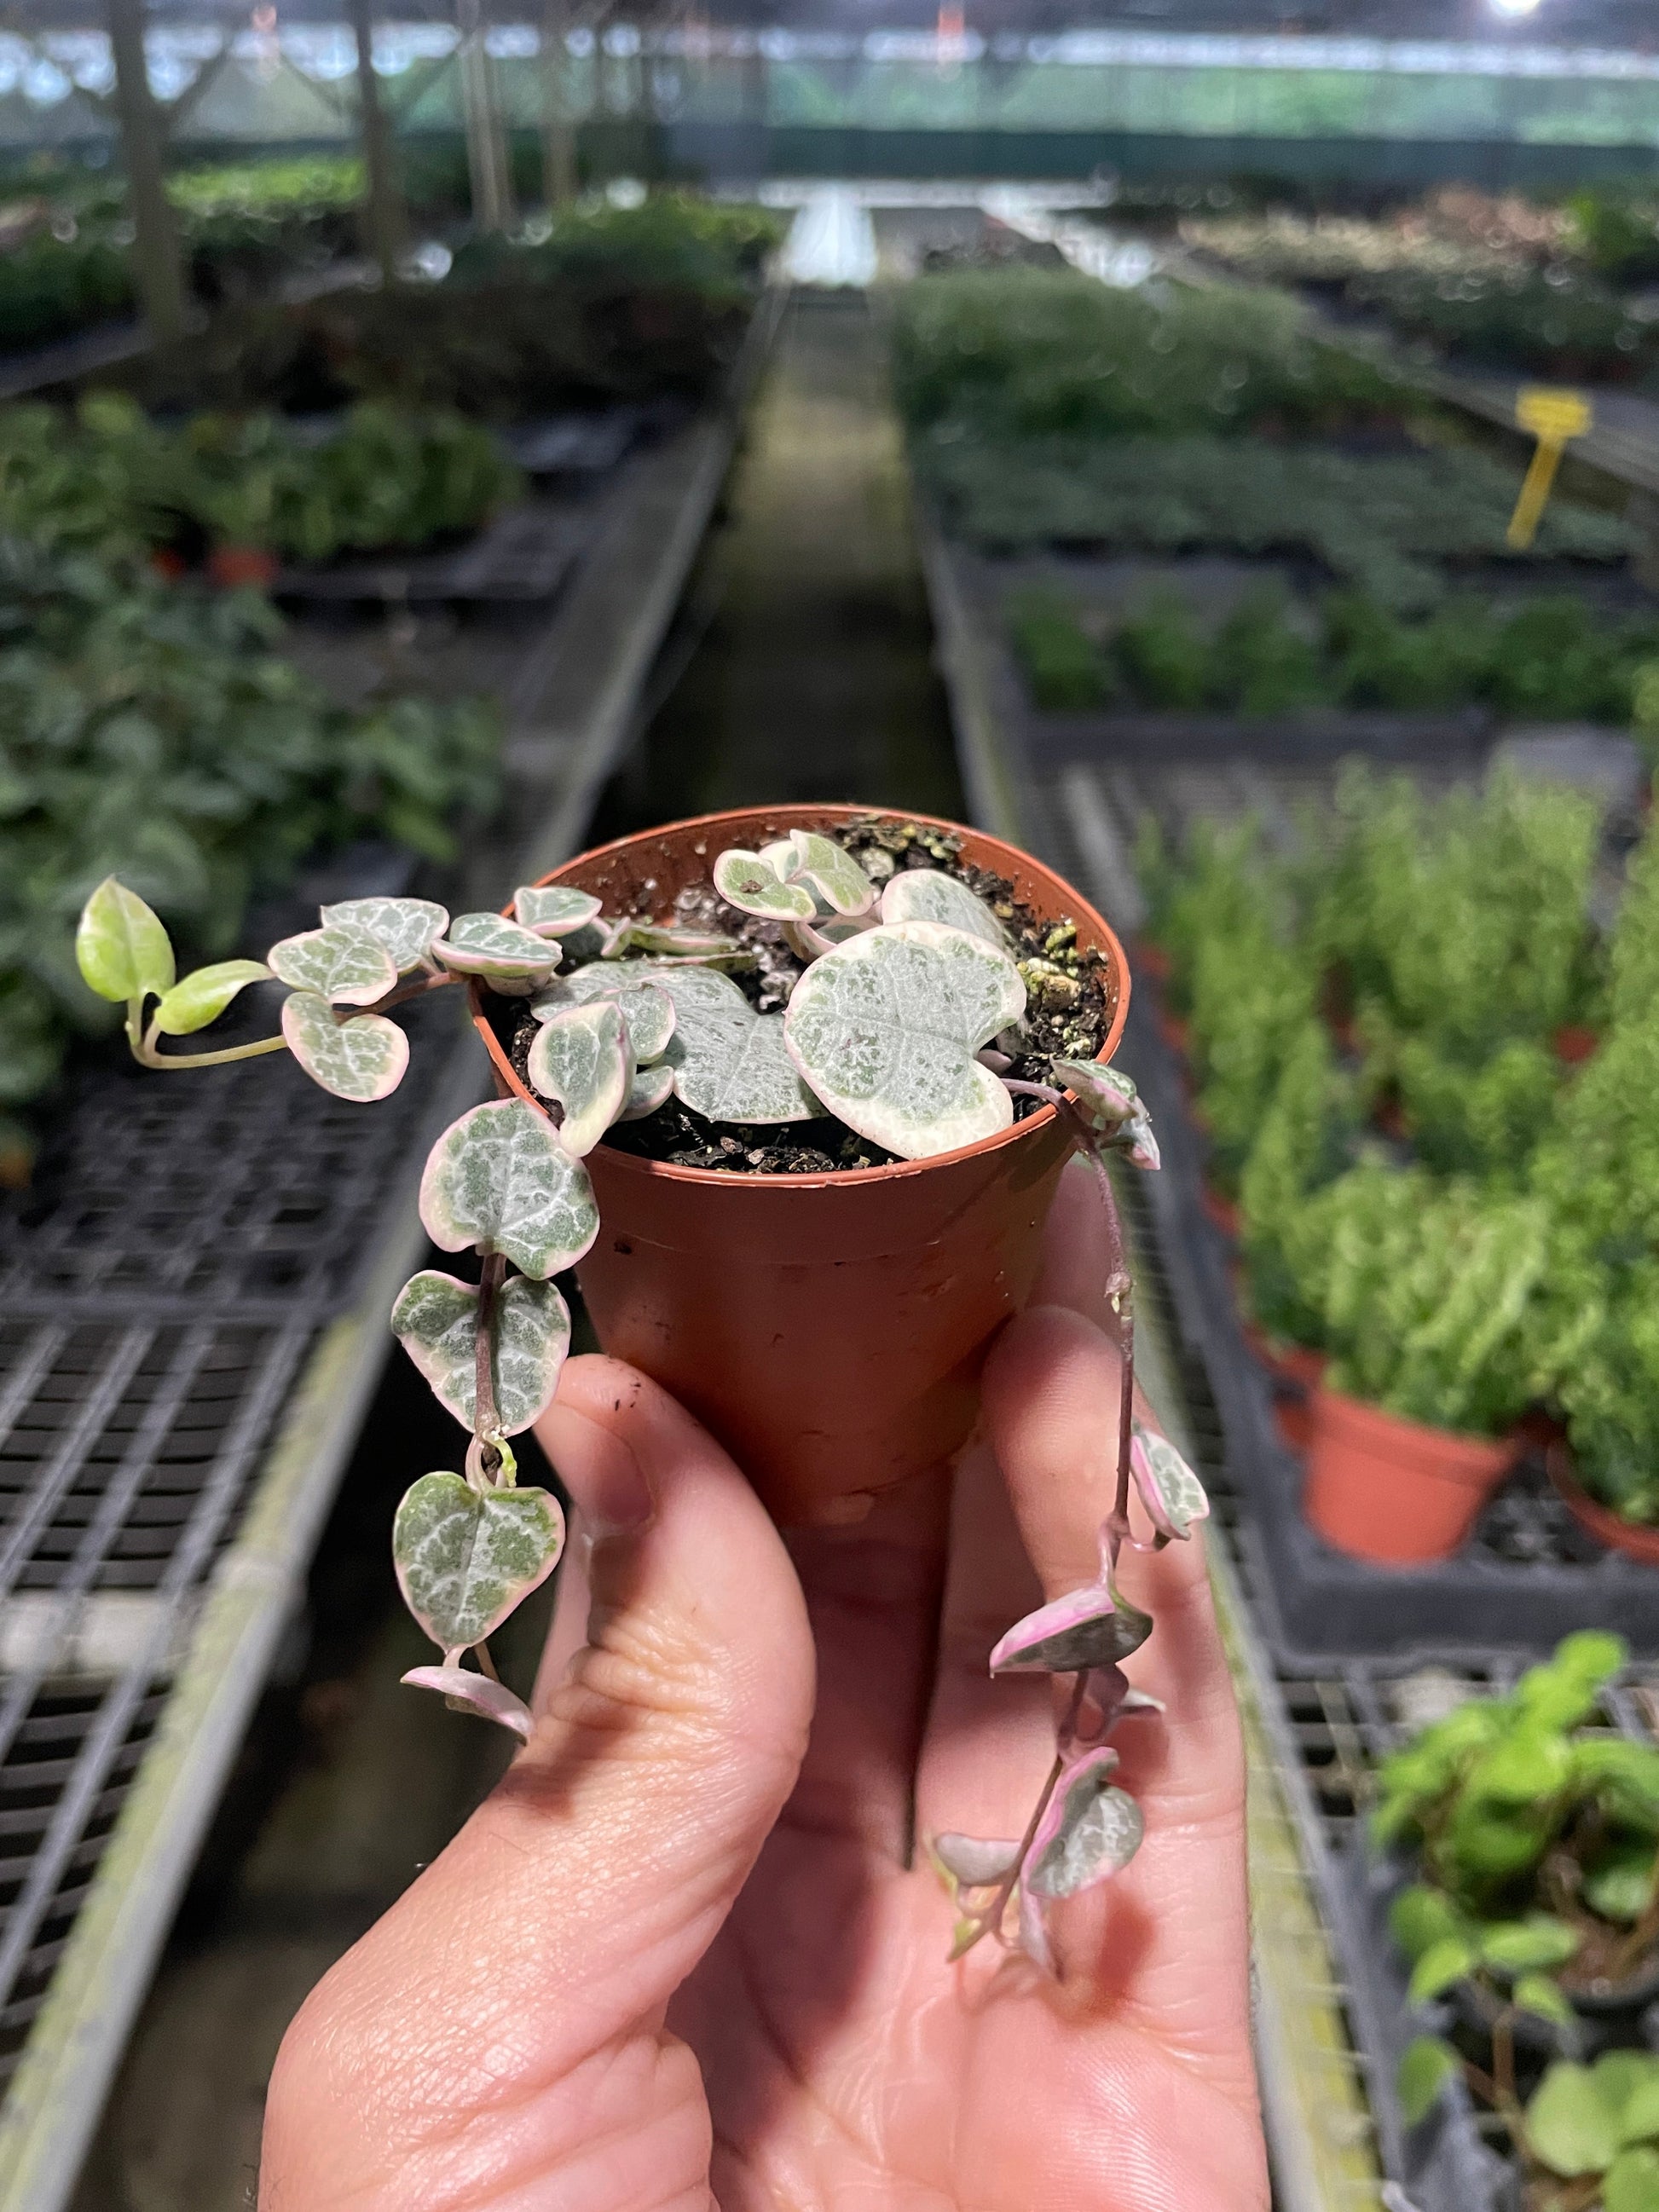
(678, 1955)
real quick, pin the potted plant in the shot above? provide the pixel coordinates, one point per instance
(794, 1104)
(1534, 1835)
(1433, 1303)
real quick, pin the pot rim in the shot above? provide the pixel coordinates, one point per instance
(834, 811)
(1637, 1540)
(1450, 1445)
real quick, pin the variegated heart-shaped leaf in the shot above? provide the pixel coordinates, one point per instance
(884, 1029)
(647, 1010)
(500, 1179)
(202, 997)
(490, 1700)
(121, 946)
(465, 1558)
(1109, 1102)
(362, 1059)
(675, 940)
(1172, 1494)
(1090, 1832)
(1086, 1628)
(747, 881)
(408, 928)
(342, 962)
(500, 952)
(580, 1058)
(729, 1062)
(835, 875)
(436, 1321)
(926, 895)
(554, 909)
(649, 1090)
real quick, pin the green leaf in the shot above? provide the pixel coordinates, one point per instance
(580, 1058)
(120, 947)
(436, 1321)
(1619, 1886)
(884, 1029)
(1487, 1846)
(1525, 1766)
(203, 997)
(500, 952)
(407, 927)
(1420, 1918)
(730, 1063)
(465, 1559)
(647, 1009)
(1620, 2077)
(1440, 1966)
(746, 881)
(1594, 1654)
(362, 1059)
(342, 962)
(1638, 2112)
(1538, 1994)
(1091, 1831)
(1520, 1947)
(836, 875)
(1570, 2124)
(1632, 2183)
(500, 1179)
(1425, 2067)
(1172, 1494)
(649, 1090)
(926, 895)
(554, 909)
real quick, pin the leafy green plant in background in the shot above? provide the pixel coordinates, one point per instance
(150, 729)
(1535, 1830)
(1616, 228)
(1162, 653)
(1553, 322)
(1064, 668)
(1305, 1140)
(1025, 353)
(1397, 525)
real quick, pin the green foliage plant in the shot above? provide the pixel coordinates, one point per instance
(1536, 1834)
(906, 977)
(1064, 668)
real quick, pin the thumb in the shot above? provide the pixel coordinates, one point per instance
(502, 2024)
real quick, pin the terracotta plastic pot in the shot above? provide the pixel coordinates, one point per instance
(1381, 1487)
(1634, 1538)
(236, 567)
(1220, 1212)
(1297, 1371)
(1152, 961)
(829, 1329)
(1175, 1031)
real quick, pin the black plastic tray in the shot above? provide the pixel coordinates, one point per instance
(1526, 1577)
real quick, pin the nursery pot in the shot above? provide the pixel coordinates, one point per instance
(1381, 1487)
(233, 567)
(829, 1329)
(1633, 1538)
(1296, 1370)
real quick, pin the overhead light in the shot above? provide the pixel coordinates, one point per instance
(1513, 6)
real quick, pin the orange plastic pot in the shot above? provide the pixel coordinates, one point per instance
(233, 568)
(1634, 1538)
(829, 1329)
(1384, 1488)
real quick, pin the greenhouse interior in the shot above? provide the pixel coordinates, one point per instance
(1026, 634)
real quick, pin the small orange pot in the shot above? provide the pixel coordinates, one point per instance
(1175, 1032)
(829, 1329)
(1634, 1538)
(1297, 1371)
(1152, 960)
(236, 568)
(1381, 1487)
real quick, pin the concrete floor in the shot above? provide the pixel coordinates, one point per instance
(809, 676)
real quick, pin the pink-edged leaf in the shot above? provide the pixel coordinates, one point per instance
(342, 962)
(500, 951)
(1172, 1494)
(580, 1058)
(465, 1558)
(1109, 1699)
(1089, 1831)
(553, 909)
(1113, 1109)
(974, 1862)
(499, 1178)
(1084, 1629)
(493, 1700)
(362, 1059)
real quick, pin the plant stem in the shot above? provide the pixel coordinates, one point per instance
(486, 1664)
(485, 1419)
(417, 989)
(147, 1055)
(991, 1915)
(1642, 1935)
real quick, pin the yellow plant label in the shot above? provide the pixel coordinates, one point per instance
(1551, 412)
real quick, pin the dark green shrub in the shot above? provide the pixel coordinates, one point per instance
(1065, 670)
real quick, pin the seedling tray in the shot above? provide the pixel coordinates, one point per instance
(1528, 1576)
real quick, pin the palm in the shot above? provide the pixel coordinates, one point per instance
(841, 2062)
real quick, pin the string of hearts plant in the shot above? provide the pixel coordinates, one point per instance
(902, 1022)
